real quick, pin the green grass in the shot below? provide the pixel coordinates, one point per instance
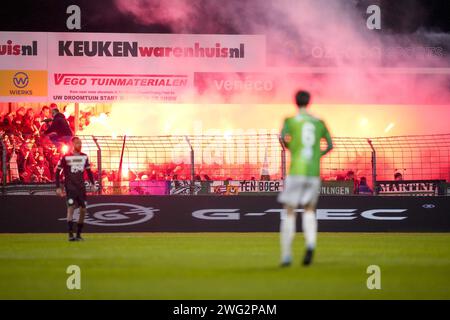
(223, 266)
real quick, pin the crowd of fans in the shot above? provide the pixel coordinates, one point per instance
(182, 171)
(34, 141)
(360, 185)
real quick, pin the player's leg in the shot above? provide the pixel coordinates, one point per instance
(309, 224)
(309, 220)
(80, 224)
(70, 209)
(287, 234)
(289, 197)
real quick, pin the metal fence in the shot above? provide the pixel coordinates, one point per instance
(415, 157)
(120, 162)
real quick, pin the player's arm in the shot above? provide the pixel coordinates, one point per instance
(87, 167)
(90, 176)
(327, 137)
(59, 168)
(285, 134)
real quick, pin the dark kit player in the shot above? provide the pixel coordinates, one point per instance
(73, 166)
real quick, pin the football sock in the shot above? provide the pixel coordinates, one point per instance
(79, 229)
(70, 226)
(309, 225)
(287, 234)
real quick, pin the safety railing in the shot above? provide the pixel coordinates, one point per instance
(3, 161)
(414, 157)
(132, 165)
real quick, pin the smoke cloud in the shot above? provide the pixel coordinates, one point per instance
(388, 78)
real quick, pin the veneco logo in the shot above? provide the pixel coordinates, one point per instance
(241, 85)
(116, 214)
(322, 214)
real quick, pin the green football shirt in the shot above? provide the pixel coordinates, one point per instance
(302, 135)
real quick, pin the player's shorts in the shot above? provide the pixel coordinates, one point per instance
(300, 190)
(76, 197)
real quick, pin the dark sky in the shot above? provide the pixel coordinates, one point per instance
(399, 16)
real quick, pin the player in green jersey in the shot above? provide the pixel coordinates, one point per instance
(302, 135)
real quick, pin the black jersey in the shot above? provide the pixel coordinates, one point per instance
(73, 166)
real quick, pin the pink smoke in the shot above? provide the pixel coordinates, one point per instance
(363, 67)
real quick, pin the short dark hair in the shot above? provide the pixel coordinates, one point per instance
(302, 98)
(74, 139)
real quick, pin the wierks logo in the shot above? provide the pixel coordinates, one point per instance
(21, 80)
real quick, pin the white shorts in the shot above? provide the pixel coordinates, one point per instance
(300, 190)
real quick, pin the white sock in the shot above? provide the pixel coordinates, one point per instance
(287, 234)
(309, 225)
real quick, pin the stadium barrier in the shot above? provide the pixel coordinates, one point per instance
(224, 214)
(229, 188)
(121, 164)
(242, 187)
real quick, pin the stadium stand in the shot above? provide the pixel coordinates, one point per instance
(28, 156)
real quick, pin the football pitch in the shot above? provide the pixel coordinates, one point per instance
(223, 266)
